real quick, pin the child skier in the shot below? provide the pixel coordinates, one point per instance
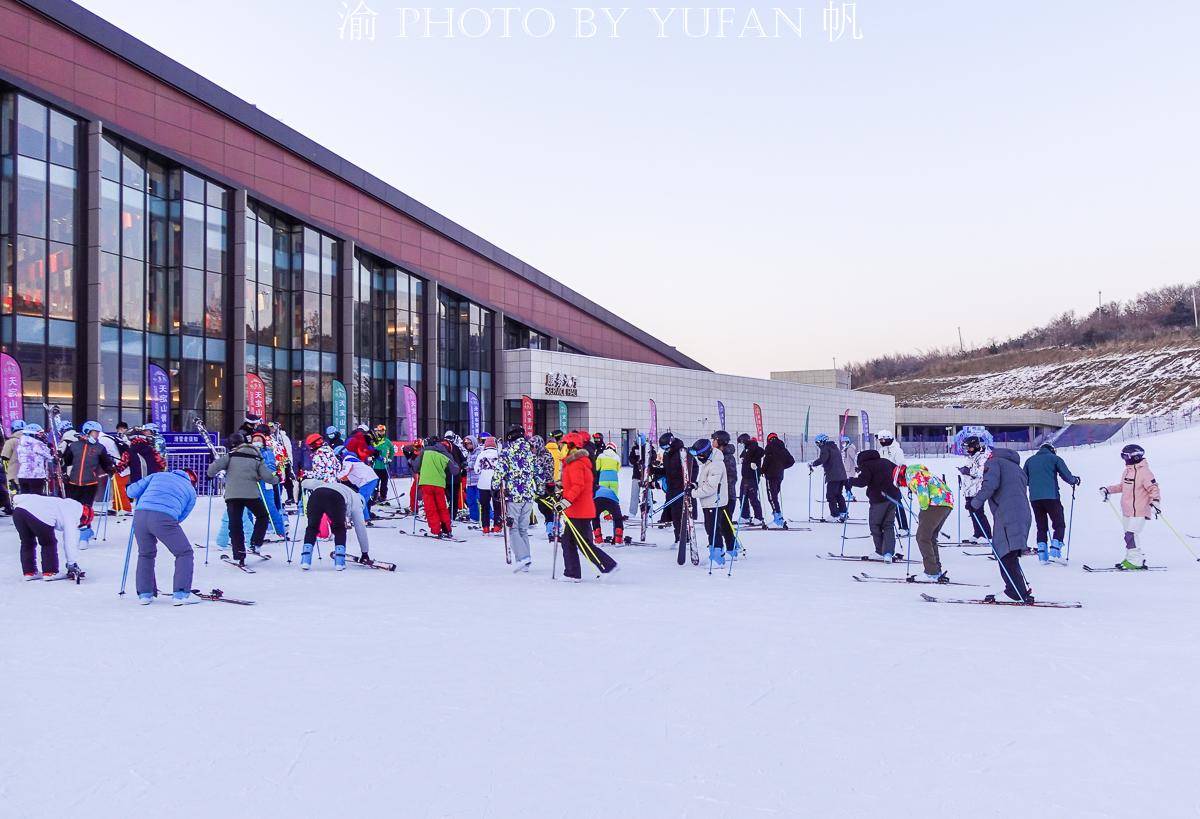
(1140, 495)
(1043, 471)
(361, 477)
(607, 504)
(84, 459)
(42, 520)
(487, 486)
(889, 450)
(164, 500)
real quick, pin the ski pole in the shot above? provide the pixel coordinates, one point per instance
(208, 526)
(665, 505)
(809, 516)
(1175, 532)
(128, 552)
(959, 509)
(1070, 526)
(554, 545)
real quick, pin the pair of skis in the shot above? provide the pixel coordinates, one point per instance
(863, 577)
(687, 528)
(868, 558)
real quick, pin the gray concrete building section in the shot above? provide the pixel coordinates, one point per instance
(833, 379)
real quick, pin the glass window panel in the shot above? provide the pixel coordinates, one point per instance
(217, 196)
(31, 128)
(6, 278)
(133, 175)
(175, 236)
(214, 305)
(31, 330)
(62, 140)
(329, 263)
(312, 261)
(132, 368)
(215, 350)
(193, 187)
(214, 245)
(327, 342)
(156, 300)
(31, 196)
(62, 204)
(282, 258)
(159, 232)
(156, 347)
(266, 253)
(193, 348)
(193, 301)
(175, 299)
(133, 223)
(193, 234)
(214, 386)
(30, 292)
(110, 288)
(133, 294)
(110, 216)
(270, 318)
(157, 174)
(312, 320)
(61, 280)
(110, 160)
(252, 307)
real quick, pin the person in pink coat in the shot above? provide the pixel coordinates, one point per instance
(1140, 495)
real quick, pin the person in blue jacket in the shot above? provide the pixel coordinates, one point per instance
(1043, 471)
(607, 503)
(164, 500)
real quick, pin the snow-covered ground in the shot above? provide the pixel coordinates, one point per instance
(454, 688)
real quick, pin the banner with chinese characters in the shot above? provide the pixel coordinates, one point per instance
(410, 412)
(11, 392)
(721, 414)
(866, 430)
(159, 384)
(256, 396)
(653, 423)
(563, 422)
(341, 408)
(527, 414)
(758, 427)
(473, 419)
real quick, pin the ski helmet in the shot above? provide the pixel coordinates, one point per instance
(886, 437)
(191, 476)
(1133, 454)
(151, 427)
(90, 427)
(408, 450)
(771, 436)
(721, 437)
(330, 431)
(432, 440)
(34, 428)
(515, 433)
(18, 424)
(972, 444)
(315, 441)
(744, 439)
(340, 451)
(557, 434)
(665, 440)
(701, 449)
(845, 439)
(363, 427)
(821, 438)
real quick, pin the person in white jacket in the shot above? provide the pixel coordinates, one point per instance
(43, 520)
(889, 449)
(711, 491)
(977, 455)
(340, 502)
(484, 468)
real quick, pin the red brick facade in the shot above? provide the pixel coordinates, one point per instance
(58, 61)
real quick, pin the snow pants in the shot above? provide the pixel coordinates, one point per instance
(835, 499)
(381, 488)
(473, 493)
(325, 503)
(489, 508)
(882, 519)
(85, 493)
(613, 508)
(750, 502)
(437, 513)
(237, 534)
(774, 488)
(574, 539)
(34, 533)
(1015, 584)
(151, 528)
(929, 527)
(980, 527)
(518, 536)
(719, 535)
(1047, 513)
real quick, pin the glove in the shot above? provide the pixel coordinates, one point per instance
(1104, 492)
(690, 487)
(509, 522)
(1078, 481)
(965, 470)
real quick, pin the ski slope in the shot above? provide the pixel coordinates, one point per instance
(453, 688)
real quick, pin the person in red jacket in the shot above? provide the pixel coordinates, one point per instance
(360, 445)
(577, 492)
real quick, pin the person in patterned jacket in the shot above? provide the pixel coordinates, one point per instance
(936, 502)
(325, 465)
(517, 473)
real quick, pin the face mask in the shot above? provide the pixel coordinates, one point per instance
(258, 444)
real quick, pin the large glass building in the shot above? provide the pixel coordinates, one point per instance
(152, 223)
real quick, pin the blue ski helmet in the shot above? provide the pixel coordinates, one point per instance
(330, 431)
(91, 426)
(701, 449)
(18, 424)
(821, 438)
(34, 428)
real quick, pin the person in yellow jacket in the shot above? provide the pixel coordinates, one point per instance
(558, 451)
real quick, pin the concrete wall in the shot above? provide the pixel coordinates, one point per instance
(834, 379)
(960, 417)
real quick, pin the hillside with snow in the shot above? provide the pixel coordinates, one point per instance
(455, 688)
(1082, 384)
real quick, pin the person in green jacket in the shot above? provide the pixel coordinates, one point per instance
(608, 465)
(1043, 471)
(385, 452)
(434, 469)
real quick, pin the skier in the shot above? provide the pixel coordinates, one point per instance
(558, 451)
(359, 444)
(776, 459)
(325, 465)
(579, 499)
(935, 501)
(835, 475)
(978, 453)
(381, 462)
(85, 459)
(519, 474)
(543, 473)
(473, 491)
(42, 520)
(268, 492)
(285, 460)
(1043, 470)
(1140, 495)
(723, 445)
(850, 464)
(435, 470)
(33, 460)
(675, 465)
(8, 454)
(455, 488)
(141, 458)
(608, 504)
(635, 484)
(333, 437)
(487, 486)
(337, 502)
(608, 467)
(711, 491)
(889, 449)
(164, 500)
(752, 455)
(876, 475)
(244, 468)
(1006, 488)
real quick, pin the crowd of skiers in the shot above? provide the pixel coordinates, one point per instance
(572, 480)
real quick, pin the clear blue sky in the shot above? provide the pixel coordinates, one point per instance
(767, 204)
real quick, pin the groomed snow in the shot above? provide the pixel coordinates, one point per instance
(454, 688)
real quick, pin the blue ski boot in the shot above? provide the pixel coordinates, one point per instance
(1043, 553)
(716, 555)
(735, 550)
(1056, 548)
(306, 557)
(778, 520)
(339, 557)
(184, 598)
(145, 599)
(842, 518)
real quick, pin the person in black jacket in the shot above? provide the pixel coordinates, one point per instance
(675, 464)
(635, 464)
(721, 442)
(835, 476)
(876, 475)
(775, 460)
(752, 455)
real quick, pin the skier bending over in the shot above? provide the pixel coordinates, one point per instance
(835, 475)
(935, 502)
(164, 500)
(607, 503)
(1140, 495)
(876, 475)
(41, 520)
(337, 501)
(1043, 471)
(1005, 488)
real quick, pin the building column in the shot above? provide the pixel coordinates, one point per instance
(345, 333)
(496, 424)
(432, 331)
(90, 343)
(237, 352)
